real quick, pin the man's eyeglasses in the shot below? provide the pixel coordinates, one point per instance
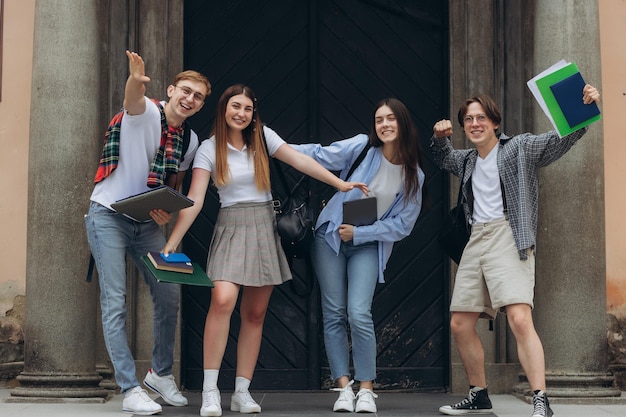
(480, 118)
(186, 91)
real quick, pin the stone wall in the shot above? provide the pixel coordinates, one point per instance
(12, 341)
(616, 331)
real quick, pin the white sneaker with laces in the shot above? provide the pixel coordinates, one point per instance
(211, 403)
(243, 402)
(541, 405)
(166, 387)
(365, 401)
(345, 402)
(137, 401)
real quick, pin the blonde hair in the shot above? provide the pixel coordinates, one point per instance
(193, 76)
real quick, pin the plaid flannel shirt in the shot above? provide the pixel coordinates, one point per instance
(168, 156)
(519, 158)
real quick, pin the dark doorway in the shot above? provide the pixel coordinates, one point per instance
(318, 68)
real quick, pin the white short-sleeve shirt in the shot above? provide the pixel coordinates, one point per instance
(140, 139)
(241, 188)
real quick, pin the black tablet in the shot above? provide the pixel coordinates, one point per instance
(360, 212)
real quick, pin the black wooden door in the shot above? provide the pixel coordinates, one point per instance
(318, 68)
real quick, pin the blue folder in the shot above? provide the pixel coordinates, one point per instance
(569, 96)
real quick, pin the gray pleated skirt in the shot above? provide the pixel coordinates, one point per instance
(245, 248)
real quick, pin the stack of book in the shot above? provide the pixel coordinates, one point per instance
(559, 92)
(176, 268)
(175, 262)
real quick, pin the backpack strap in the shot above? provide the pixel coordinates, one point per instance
(186, 140)
(92, 263)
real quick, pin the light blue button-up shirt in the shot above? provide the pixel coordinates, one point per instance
(394, 225)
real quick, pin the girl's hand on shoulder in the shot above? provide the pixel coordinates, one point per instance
(346, 232)
(347, 186)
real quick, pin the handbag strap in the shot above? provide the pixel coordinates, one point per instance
(506, 211)
(458, 200)
(278, 168)
(358, 160)
(276, 201)
(460, 196)
(326, 196)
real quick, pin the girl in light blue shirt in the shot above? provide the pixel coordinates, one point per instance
(349, 260)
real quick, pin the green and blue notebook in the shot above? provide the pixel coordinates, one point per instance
(197, 277)
(559, 92)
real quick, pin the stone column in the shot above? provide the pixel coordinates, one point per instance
(570, 295)
(60, 330)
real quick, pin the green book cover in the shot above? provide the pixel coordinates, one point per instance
(198, 277)
(560, 121)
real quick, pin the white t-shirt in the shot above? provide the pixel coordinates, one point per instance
(385, 185)
(241, 188)
(140, 138)
(486, 188)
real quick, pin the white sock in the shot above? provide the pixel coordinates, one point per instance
(241, 384)
(210, 379)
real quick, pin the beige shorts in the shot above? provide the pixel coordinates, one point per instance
(491, 275)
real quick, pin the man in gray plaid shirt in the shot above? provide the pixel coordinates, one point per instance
(497, 269)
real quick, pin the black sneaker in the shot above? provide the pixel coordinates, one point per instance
(477, 402)
(541, 405)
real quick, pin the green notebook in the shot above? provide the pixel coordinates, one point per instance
(544, 85)
(198, 277)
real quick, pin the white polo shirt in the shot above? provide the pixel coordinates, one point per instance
(241, 188)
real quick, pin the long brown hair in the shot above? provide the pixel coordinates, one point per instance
(252, 137)
(408, 152)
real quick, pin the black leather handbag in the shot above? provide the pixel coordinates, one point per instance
(294, 223)
(294, 217)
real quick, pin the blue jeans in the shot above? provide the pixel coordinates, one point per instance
(347, 284)
(111, 236)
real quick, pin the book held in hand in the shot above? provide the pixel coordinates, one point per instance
(360, 212)
(568, 96)
(197, 277)
(138, 207)
(559, 92)
(160, 263)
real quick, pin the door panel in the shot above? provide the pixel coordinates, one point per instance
(318, 69)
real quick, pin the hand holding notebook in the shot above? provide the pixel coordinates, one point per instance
(138, 207)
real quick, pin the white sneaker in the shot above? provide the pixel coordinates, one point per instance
(165, 386)
(211, 403)
(137, 401)
(365, 401)
(243, 402)
(345, 402)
